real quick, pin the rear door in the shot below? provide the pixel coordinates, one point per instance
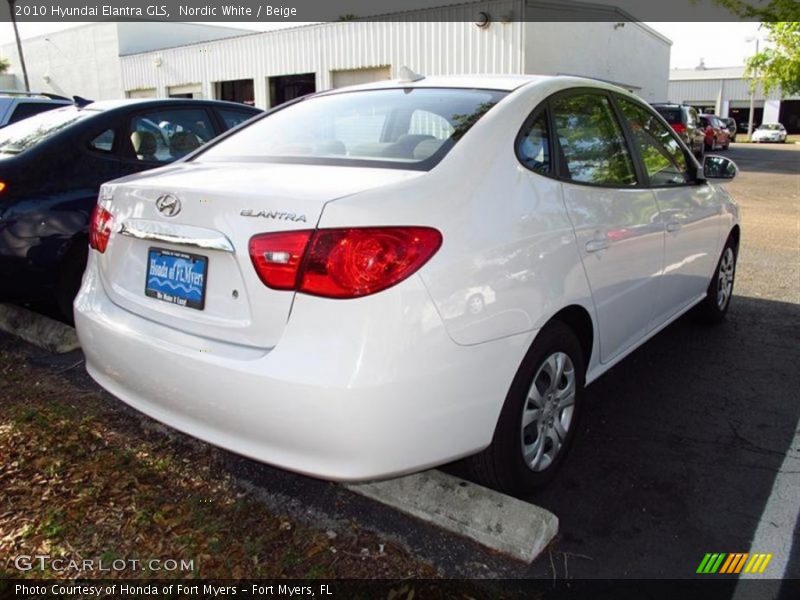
(616, 219)
(689, 212)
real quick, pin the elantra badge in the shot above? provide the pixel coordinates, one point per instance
(168, 205)
(273, 214)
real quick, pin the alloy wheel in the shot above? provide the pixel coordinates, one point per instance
(727, 266)
(548, 411)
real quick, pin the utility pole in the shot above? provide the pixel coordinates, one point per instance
(752, 95)
(19, 45)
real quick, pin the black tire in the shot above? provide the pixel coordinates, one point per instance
(713, 309)
(70, 276)
(502, 465)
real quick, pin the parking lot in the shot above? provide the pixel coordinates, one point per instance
(680, 443)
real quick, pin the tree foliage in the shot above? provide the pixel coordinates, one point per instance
(766, 11)
(4, 65)
(778, 66)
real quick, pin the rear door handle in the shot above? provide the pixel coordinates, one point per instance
(596, 245)
(673, 226)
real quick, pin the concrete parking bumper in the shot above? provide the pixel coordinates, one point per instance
(500, 522)
(37, 329)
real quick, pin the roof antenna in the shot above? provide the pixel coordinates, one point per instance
(409, 76)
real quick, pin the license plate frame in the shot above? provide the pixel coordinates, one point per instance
(176, 277)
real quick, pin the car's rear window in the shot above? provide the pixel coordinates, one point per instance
(410, 128)
(770, 127)
(26, 134)
(672, 115)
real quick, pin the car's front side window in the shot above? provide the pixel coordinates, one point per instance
(663, 158)
(591, 141)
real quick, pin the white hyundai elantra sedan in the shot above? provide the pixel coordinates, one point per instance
(380, 279)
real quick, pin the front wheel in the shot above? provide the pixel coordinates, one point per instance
(539, 417)
(718, 296)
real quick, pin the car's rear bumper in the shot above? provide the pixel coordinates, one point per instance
(359, 390)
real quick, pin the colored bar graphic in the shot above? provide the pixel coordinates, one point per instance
(723, 563)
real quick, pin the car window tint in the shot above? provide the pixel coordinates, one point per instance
(427, 123)
(692, 117)
(165, 135)
(533, 147)
(26, 134)
(103, 142)
(232, 118)
(592, 142)
(661, 153)
(28, 109)
(400, 128)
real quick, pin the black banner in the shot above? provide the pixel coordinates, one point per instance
(305, 11)
(718, 588)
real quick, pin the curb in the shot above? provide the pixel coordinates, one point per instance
(37, 329)
(519, 529)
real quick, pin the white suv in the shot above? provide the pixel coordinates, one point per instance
(380, 279)
(15, 106)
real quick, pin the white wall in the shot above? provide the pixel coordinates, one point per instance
(82, 61)
(631, 55)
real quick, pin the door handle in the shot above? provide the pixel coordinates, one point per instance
(596, 245)
(673, 226)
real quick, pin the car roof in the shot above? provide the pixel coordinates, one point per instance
(770, 123)
(491, 82)
(144, 102)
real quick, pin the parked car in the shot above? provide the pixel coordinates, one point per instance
(51, 168)
(731, 126)
(288, 292)
(717, 136)
(685, 122)
(15, 106)
(770, 132)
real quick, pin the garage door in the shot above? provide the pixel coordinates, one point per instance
(358, 76)
(192, 90)
(148, 93)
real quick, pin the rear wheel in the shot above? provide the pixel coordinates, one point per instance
(718, 296)
(539, 417)
(70, 276)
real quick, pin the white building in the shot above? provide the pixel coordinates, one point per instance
(267, 68)
(725, 92)
(85, 60)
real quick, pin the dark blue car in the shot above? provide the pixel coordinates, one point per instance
(51, 168)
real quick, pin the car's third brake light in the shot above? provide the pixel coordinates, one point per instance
(100, 228)
(679, 127)
(342, 263)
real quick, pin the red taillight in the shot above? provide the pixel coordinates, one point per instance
(342, 263)
(2, 186)
(679, 128)
(100, 228)
(277, 257)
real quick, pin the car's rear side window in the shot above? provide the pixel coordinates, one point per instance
(400, 128)
(591, 141)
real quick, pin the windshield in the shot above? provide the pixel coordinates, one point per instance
(673, 116)
(770, 127)
(400, 128)
(27, 133)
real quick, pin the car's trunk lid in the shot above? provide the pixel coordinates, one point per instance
(205, 242)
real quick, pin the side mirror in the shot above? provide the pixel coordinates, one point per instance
(719, 167)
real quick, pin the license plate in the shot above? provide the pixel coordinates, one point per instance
(176, 277)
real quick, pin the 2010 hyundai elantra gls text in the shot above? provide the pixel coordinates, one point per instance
(380, 279)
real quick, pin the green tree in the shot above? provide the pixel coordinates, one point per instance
(4, 65)
(766, 11)
(778, 66)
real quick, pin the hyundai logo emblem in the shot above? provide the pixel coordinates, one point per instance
(168, 205)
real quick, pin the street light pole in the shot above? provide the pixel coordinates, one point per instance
(752, 97)
(19, 46)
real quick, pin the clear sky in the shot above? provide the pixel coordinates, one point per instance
(720, 44)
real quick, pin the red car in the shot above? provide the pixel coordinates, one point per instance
(717, 135)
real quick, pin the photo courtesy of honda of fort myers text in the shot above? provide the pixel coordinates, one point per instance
(399, 300)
